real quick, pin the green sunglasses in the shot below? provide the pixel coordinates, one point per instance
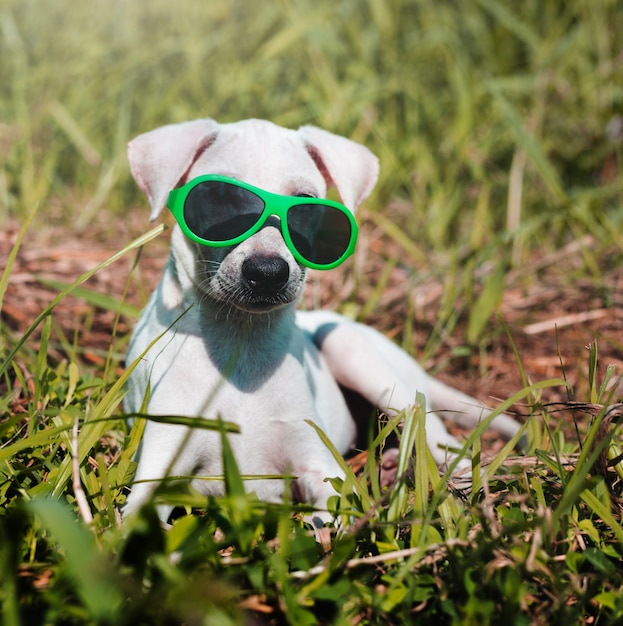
(219, 211)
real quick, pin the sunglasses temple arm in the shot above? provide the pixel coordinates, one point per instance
(171, 198)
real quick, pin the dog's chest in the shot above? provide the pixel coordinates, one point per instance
(243, 386)
(277, 393)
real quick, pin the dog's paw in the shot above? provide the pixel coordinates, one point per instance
(389, 467)
(324, 526)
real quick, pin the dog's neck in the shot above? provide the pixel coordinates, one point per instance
(247, 347)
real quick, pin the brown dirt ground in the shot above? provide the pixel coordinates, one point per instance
(552, 316)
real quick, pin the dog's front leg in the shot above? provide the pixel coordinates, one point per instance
(312, 464)
(159, 457)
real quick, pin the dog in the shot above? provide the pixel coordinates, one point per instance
(230, 342)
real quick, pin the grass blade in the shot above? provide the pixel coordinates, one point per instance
(528, 142)
(4, 279)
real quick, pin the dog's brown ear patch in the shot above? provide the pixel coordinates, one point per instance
(347, 165)
(160, 159)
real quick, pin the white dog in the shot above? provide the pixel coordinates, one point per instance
(235, 347)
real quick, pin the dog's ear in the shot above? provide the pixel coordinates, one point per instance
(347, 165)
(160, 158)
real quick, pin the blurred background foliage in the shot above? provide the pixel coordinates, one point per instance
(489, 116)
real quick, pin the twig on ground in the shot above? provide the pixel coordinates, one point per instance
(81, 498)
(565, 320)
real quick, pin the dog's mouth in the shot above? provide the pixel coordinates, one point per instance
(260, 304)
(254, 301)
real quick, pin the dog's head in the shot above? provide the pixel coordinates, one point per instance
(259, 274)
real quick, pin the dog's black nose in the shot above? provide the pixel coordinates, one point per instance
(265, 274)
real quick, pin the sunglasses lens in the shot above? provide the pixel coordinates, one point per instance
(320, 233)
(218, 211)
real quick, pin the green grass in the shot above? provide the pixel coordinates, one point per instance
(490, 119)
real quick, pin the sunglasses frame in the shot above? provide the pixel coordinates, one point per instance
(274, 204)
